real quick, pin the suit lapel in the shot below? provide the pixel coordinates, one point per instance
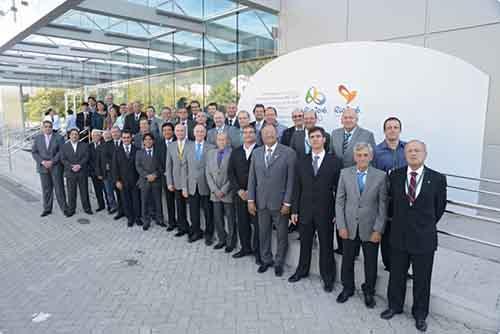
(369, 180)
(275, 156)
(354, 138)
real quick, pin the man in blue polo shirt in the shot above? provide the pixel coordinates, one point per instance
(389, 155)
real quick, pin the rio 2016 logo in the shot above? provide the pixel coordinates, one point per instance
(349, 96)
(314, 95)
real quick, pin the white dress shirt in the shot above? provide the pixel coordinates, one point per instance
(419, 178)
(248, 150)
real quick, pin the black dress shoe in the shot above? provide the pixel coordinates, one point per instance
(389, 313)
(421, 325)
(263, 267)
(162, 224)
(146, 226)
(229, 249)
(328, 287)
(209, 241)
(112, 211)
(294, 278)
(138, 221)
(219, 245)
(170, 228)
(45, 213)
(118, 216)
(100, 209)
(241, 253)
(369, 300)
(89, 212)
(278, 271)
(258, 261)
(195, 237)
(344, 296)
(179, 234)
(68, 214)
(130, 223)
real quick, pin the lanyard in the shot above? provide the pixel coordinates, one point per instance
(419, 180)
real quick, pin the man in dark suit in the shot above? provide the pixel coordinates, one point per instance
(125, 177)
(46, 152)
(231, 115)
(150, 168)
(93, 166)
(84, 121)
(187, 122)
(162, 146)
(298, 125)
(419, 200)
(131, 123)
(239, 166)
(300, 139)
(313, 208)
(107, 150)
(75, 157)
(143, 129)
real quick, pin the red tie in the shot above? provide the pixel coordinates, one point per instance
(412, 188)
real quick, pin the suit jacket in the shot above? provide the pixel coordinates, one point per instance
(279, 127)
(236, 123)
(69, 157)
(105, 162)
(359, 135)
(297, 142)
(82, 122)
(147, 165)
(287, 136)
(175, 166)
(123, 167)
(195, 170)
(190, 128)
(40, 152)
(155, 128)
(232, 133)
(239, 168)
(131, 124)
(314, 195)
(94, 159)
(272, 186)
(217, 177)
(366, 211)
(413, 228)
(161, 148)
(137, 140)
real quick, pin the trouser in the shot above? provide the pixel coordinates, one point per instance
(226, 210)
(245, 221)
(109, 190)
(99, 191)
(325, 229)
(180, 203)
(52, 181)
(198, 202)
(422, 272)
(151, 201)
(131, 203)
(266, 220)
(170, 200)
(370, 253)
(80, 181)
(385, 246)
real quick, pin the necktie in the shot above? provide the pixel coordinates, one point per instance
(117, 143)
(198, 151)
(316, 164)
(127, 150)
(268, 156)
(220, 156)
(347, 136)
(307, 145)
(180, 150)
(230, 121)
(412, 188)
(361, 181)
(149, 153)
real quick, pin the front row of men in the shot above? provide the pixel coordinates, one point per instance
(269, 186)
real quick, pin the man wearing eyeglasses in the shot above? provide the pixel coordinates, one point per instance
(298, 125)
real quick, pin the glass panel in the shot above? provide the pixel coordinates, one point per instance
(188, 86)
(214, 7)
(220, 41)
(221, 85)
(246, 70)
(256, 34)
(188, 49)
(162, 92)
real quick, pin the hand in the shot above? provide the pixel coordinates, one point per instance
(285, 210)
(119, 185)
(151, 178)
(185, 194)
(47, 164)
(375, 237)
(219, 194)
(171, 188)
(243, 195)
(295, 219)
(100, 178)
(252, 209)
(344, 234)
(75, 168)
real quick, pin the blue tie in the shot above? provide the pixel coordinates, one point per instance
(198, 151)
(361, 181)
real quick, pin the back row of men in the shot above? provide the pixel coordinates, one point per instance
(249, 178)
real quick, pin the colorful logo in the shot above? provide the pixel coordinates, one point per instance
(349, 96)
(314, 95)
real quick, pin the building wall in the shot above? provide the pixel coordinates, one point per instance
(467, 29)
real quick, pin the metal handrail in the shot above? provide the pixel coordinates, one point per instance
(473, 206)
(477, 217)
(463, 237)
(486, 192)
(474, 178)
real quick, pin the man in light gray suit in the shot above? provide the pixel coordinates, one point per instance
(46, 152)
(199, 194)
(176, 178)
(361, 209)
(222, 193)
(342, 143)
(270, 190)
(345, 138)
(220, 126)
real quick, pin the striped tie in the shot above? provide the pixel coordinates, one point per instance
(412, 189)
(347, 136)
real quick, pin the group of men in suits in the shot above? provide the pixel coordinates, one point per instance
(250, 178)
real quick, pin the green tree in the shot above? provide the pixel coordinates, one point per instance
(45, 98)
(223, 93)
